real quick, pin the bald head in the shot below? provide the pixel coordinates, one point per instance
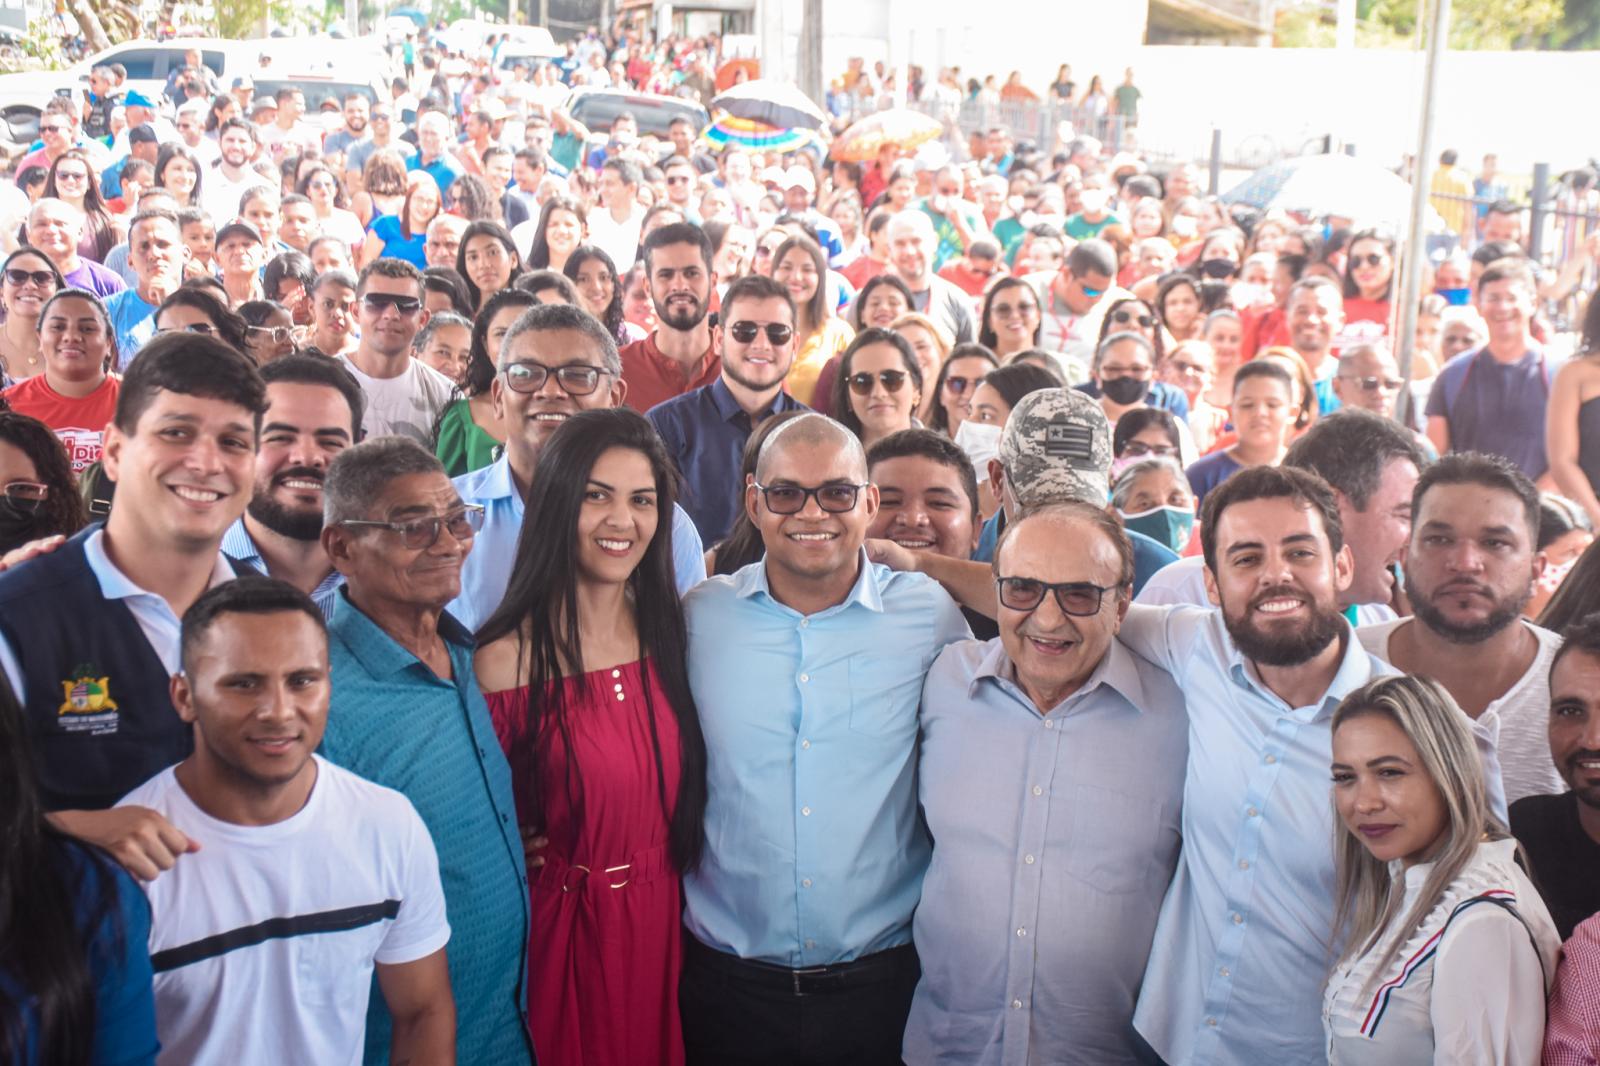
(54, 227)
(811, 431)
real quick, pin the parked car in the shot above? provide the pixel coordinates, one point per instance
(598, 108)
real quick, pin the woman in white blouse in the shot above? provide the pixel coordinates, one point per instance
(1448, 950)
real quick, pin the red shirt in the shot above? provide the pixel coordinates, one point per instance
(964, 277)
(80, 423)
(863, 270)
(653, 378)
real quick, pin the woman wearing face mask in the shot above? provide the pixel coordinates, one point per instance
(1010, 320)
(1177, 307)
(1369, 273)
(879, 386)
(992, 400)
(75, 396)
(1220, 255)
(1448, 949)
(38, 495)
(958, 379)
(27, 279)
(1153, 497)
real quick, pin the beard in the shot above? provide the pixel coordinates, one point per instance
(1279, 646)
(1506, 611)
(287, 521)
(679, 317)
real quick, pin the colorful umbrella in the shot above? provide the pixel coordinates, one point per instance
(734, 71)
(773, 102)
(898, 126)
(727, 131)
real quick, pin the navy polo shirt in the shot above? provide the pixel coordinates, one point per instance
(1494, 407)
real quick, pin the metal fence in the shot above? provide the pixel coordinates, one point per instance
(1044, 123)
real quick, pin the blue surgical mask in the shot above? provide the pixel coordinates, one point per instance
(1171, 526)
(1456, 297)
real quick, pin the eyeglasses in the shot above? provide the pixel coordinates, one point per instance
(1125, 317)
(420, 534)
(379, 302)
(960, 385)
(1372, 259)
(1140, 448)
(20, 277)
(54, 127)
(1005, 311)
(26, 495)
(70, 175)
(679, 179)
(1079, 599)
(1193, 370)
(575, 380)
(744, 331)
(277, 334)
(1374, 384)
(193, 327)
(893, 381)
(834, 498)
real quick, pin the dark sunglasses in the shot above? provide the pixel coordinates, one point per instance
(679, 179)
(960, 385)
(1372, 259)
(1077, 598)
(1374, 384)
(19, 277)
(71, 175)
(745, 332)
(574, 380)
(836, 498)
(379, 302)
(54, 127)
(1145, 321)
(893, 381)
(420, 534)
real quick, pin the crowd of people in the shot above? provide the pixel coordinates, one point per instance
(477, 589)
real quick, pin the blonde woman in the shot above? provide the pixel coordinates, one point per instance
(932, 348)
(1448, 951)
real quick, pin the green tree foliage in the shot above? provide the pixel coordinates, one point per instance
(1486, 25)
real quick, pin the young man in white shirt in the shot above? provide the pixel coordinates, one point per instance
(404, 395)
(306, 878)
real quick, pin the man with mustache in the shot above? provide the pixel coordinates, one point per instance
(1469, 571)
(677, 356)
(314, 410)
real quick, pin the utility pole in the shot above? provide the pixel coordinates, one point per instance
(1438, 28)
(810, 65)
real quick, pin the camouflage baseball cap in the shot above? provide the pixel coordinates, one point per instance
(1057, 446)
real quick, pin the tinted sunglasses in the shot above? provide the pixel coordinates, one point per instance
(379, 302)
(19, 277)
(960, 385)
(1076, 598)
(745, 331)
(893, 381)
(1145, 321)
(1372, 259)
(1374, 384)
(836, 498)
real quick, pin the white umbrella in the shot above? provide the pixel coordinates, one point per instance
(1342, 185)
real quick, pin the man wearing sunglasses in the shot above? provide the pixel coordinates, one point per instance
(706, 429)
(404, 395)
(1075, 298)
(799, 914)
(553, 362)
(406, 713)
(1041, 900)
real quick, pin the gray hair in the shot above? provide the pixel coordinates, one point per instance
(359, 474)
(437, 321)
(1117, 338)
(547, 318)
(1123, 489)
(812, 429)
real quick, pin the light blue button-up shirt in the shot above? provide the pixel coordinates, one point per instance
(239, 544)
(1055, 836)
(1242, 948)
(814, 851)
(487, 571)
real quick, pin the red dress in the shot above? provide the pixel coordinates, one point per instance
(606, 947)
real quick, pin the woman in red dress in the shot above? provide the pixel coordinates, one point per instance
(583, 666)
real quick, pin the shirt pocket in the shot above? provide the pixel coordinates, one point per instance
(1114, 839)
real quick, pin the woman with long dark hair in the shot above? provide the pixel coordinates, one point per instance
(562, 227)
(198, 309)
(325, 190)
(73, 932)
(879, 386)
(584, 669)
(1011, 319)
(72, 178)
(403, 235)
(488, 260)
(178, 172)
(1370, 269)
(594, 275)
(38, 492)
(27, 279)
(76, 394)
(468, 431)
(800, 266)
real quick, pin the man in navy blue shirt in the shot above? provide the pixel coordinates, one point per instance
(1493, 399)
(706, 429)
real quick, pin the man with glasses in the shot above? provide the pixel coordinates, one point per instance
(678, 355)
(1040, 903)
(1368, 379)
(680, 177)
(103, 99)
(705, 430)
(1074, 300)
(379, 134)
(54, 227)
(58, 131)
(406, 713)
(554, 361)
(191, 123)
(799, 913)
(405, 396)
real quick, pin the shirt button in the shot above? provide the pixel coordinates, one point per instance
(1037, 791)
(1270, 759)
(616, 673)
(806, 744)
(1251, 812)
(1022, 932)
(806, 811)
(804, 622)
(804, 678)
(1048, 724)
(1238, 919)
(1028, 859)
(620, 696)
(806, 883)
(1211, 1022)
(1223, 971)
(1016, 1004)
(1244, 864)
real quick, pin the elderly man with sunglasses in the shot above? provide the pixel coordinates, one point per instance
(554, 361)
(406, 713)
(404, 395)
(706, 429)
(807, 668)
(1037, 747)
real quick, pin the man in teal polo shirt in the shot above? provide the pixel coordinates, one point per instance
(406, 713)
(433, 152)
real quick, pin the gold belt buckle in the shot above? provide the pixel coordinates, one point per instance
(566, 878)
(615, 869)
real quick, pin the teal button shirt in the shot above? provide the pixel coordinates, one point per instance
(395, 722)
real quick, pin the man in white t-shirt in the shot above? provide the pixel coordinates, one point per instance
(1470, 570)
(404, 395)
(306, 879)
(614, 226)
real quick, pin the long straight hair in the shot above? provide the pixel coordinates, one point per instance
(814, 313)
(44, 943)
(541, 609)
(1368, 898)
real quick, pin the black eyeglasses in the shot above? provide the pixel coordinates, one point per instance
(960, 385)
(26, 495)
(834, 498)
(1077, 598)
(20, 277)
(379, 302)
(1140, 448)
(575, 380)
(893, 381)
(194, 327)
(54, 127)
(1372, 259)
(420, 534)
(277, 334)
(1145, 321)
(1374, 384)
(744, 331)
(678, 179)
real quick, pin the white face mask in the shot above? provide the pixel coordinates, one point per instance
(981, 442)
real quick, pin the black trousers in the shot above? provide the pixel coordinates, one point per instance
(740, 1013)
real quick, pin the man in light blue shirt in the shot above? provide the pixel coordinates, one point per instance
(1242, 948)
(554, 361)
(1051, 776)
(157, 254)
(807, 668)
